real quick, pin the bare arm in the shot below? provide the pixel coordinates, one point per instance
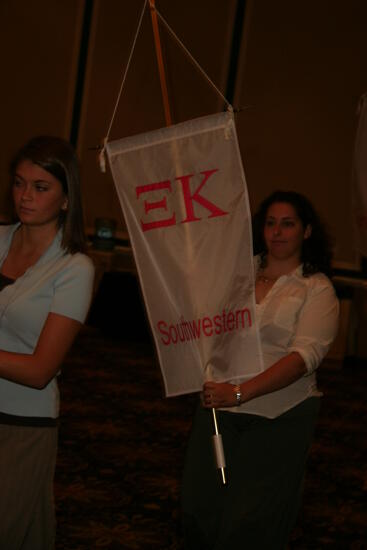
(37, 369)
(284, 372)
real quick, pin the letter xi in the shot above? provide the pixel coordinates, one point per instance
(189, 197)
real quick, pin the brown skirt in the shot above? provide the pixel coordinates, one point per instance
(27, 466)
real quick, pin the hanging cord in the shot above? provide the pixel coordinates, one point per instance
(193, 60)
(102, 153)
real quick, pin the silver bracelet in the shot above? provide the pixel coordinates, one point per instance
(237, 391)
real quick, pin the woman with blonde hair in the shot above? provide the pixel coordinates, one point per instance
(46, 287)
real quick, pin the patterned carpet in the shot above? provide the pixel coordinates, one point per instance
(122, 447)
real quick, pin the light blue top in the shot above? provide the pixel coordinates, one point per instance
(59, 283)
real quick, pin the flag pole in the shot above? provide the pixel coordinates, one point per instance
(162, 74)
(217, 438)
(218, 448)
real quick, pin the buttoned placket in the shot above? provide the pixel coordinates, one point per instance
(260, 308)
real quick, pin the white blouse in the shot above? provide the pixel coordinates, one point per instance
(299, 314)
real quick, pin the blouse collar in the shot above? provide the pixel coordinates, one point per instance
(297, 272)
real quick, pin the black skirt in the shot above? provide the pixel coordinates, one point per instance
(265, 463)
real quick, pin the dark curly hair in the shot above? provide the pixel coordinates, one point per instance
(316, 250)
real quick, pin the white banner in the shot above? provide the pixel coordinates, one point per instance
(183, 193)
(360, 178)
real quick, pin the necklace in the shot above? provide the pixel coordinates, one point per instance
(263, 279)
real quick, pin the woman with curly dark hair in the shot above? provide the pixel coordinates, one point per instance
(266, 421)
(316, 249)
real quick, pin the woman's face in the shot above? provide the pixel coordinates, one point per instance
(38, 196)
(284, 232)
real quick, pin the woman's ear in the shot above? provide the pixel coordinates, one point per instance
(64, 205)
(307, 232)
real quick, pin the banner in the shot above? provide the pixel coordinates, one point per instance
(183, 193)
(359, 191)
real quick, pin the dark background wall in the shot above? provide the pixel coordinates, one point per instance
(39, 44)
(297, 68)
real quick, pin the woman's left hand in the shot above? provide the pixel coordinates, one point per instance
(218, 394)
